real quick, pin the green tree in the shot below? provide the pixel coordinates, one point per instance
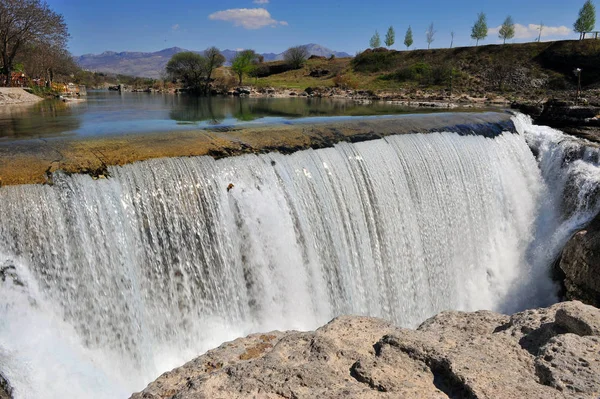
(190, 68)
(408, 38)
(587, 19)
(195, 70)
(480, 29)
(375, 40)
(296, 56)
(24, 23)
(507, 30)
(390, 37)
(244, 62)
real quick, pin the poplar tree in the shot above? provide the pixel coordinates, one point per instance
(480, 29)
(507, 30)
(587, 19)
(408, 38)
(375, 40)
(390, 37)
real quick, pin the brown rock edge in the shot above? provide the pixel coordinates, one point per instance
(33, 161)
(542, 353)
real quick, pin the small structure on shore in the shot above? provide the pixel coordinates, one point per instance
(70, 89)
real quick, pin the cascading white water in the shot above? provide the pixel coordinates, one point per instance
(105, 284)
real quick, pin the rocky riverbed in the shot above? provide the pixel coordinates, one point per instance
(542, 353)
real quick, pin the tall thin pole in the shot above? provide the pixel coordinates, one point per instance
(578, 86)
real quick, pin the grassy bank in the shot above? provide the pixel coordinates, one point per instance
(527, 70)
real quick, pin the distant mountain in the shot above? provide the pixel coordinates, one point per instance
(152, 65)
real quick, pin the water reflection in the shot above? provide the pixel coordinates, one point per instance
(46, 118)
(108, 113)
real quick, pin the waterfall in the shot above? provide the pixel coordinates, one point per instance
(105, 284)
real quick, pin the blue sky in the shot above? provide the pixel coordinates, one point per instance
(274, 25)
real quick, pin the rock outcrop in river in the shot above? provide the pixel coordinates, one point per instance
(580, 263)
(542, 353)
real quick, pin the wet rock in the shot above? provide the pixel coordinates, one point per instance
(5, 388)
(578, 120)
(532, 354)
(580, 263)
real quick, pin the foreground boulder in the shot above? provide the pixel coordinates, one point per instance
(580, 263)
(542, 353)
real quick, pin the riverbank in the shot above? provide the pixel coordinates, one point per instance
(34, 161)
(14, 95)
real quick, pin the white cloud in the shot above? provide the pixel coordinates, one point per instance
(261, 1)
(175, 27)
(532, 31)
(249, 18)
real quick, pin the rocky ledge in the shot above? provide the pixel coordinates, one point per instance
(544, 353)
(35, 160)
(572, 118)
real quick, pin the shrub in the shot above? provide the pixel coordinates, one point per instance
(423, 74)
(345, 82)
(374, 60)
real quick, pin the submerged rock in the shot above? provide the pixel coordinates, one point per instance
(580, 263)
(542, 353)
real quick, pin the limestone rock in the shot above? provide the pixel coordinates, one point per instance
(541, 353)
(571, 364)
(579, 319)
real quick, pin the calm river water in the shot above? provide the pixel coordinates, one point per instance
(107, 113)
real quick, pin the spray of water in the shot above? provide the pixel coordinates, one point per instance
(105, 284)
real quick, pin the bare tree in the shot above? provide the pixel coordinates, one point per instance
(214, 59)
(24, 22)
(45, 62)
(296, 56)
(430, 35)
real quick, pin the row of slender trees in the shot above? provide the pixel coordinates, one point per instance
(33, 39)
(479, 31)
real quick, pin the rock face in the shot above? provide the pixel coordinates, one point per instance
(542, 353)
(580, 263)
